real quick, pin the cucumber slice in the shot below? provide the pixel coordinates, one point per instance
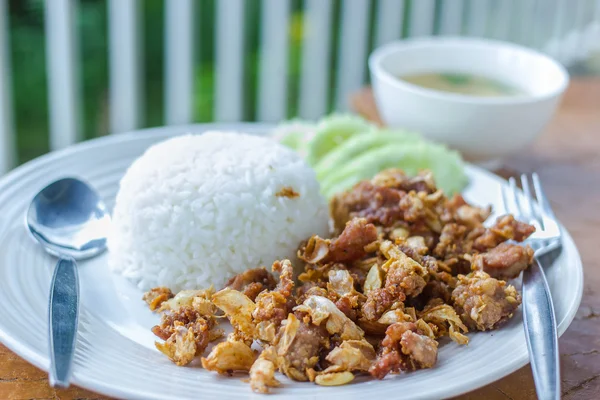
(358, 144)
(446, 166)
(333, 131)
(295, 134)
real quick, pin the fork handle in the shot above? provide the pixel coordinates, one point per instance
(63, 318)
(540, 330)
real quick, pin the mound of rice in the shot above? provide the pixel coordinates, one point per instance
(196, 209)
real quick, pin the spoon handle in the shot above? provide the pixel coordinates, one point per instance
(63, 318)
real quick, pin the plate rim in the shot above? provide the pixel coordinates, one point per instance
(90, 383)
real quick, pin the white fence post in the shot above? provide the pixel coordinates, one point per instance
(7, 146)
(229, 64)
(451, 17)
(124, 62)
(273, 72)
(179, 62)
(62, 70)
(390, 19)
(503, 14)
(479, 11)
(352, 58)
(422, 16)
(315, 72)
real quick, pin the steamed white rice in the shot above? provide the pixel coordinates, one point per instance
(197, 209)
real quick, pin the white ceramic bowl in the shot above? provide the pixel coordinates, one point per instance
(482, 128)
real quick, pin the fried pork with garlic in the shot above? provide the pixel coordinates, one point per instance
(505, 228)
(505, 261)
(238, 308)
(155, 297)
(200, 300)
(404, 277)
(186, 334)
(403, 274)
(351, 243)
(406, 347)
(483, 302)
(273, 306)
(406, 266)
(323, 312)
(446, 321)
(252, 282)
(341, 288)
(349, 246)
(298, 347)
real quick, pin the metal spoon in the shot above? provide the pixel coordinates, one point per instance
(70, 220)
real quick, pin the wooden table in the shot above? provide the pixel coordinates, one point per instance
(567, 156)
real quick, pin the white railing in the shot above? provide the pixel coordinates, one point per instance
(566, 29)
(125, 91)
(315, 73)
(179, 61)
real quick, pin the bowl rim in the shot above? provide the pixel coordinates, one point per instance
(379, 72)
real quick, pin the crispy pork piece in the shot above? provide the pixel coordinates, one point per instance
(405, 347)
(156, 296)
(341, 289)
(388, 198)
(200, 300)
(505, 228)
(450, 206)
(397, 179)
(471, 216)
(447, 322)
(298, 347)
(321, 309)
(403, 274)
(379, 301)
(437, 289)
(185, 343)
(252, 282)
(414, 247)
(273, 306)
(455, 248)
(483, 302)
(505, 261)
(310, 289)
(186, 333)
(350, 245)
(452, 242)
(379, 205)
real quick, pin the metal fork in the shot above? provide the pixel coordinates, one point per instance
(538, 311)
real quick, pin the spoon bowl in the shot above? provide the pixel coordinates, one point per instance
(69, 219)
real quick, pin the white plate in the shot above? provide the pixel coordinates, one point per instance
(115, 350)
